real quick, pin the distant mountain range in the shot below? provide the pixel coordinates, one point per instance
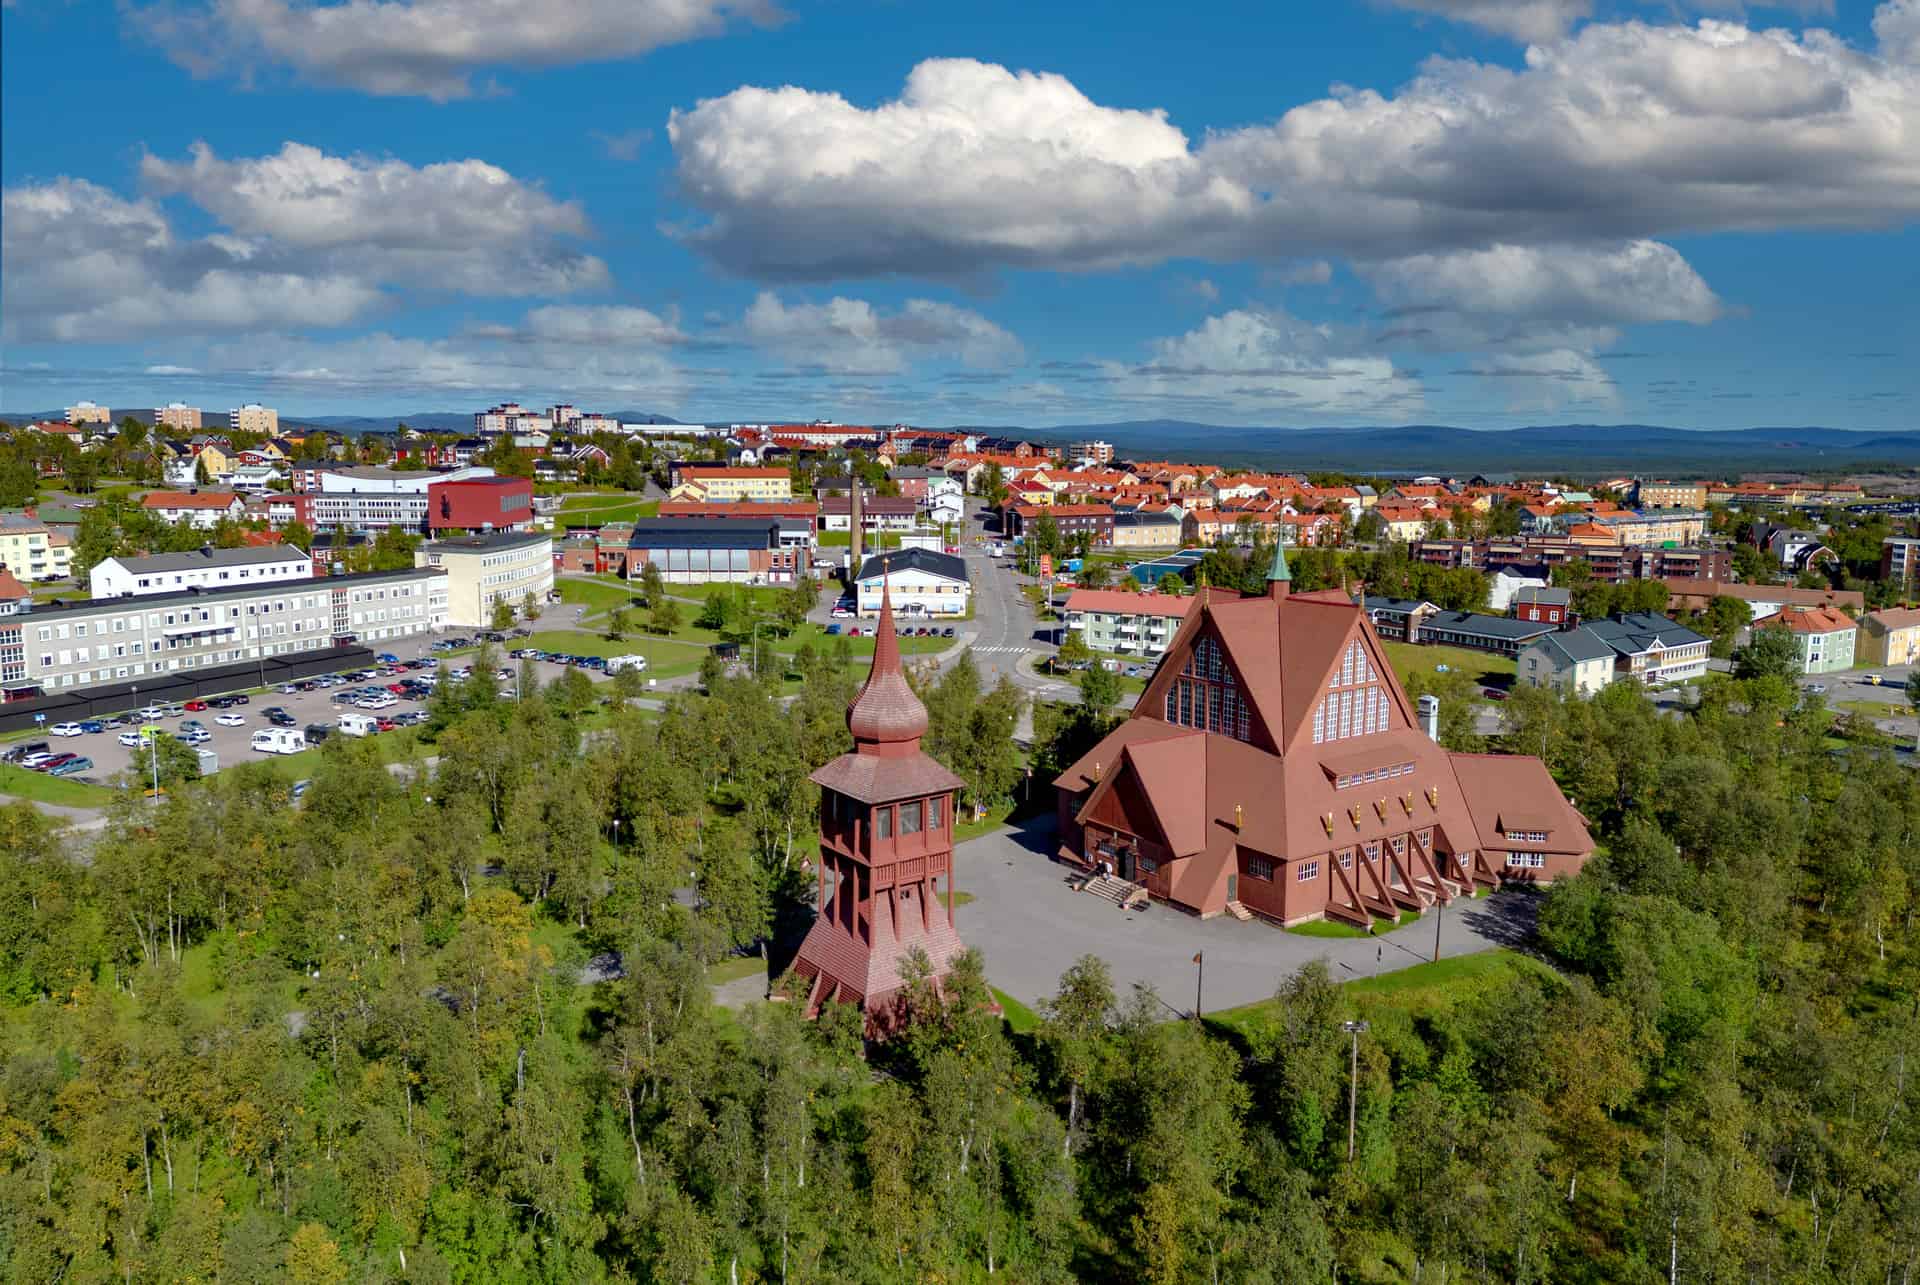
(1576, 449)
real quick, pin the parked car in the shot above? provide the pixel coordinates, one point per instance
(947, 632)
(318, 732)
(288, 689)
(197, 736)
(832, 630)
(52, 761)
(65, 729)
(80, 763)
(232, 720)
(15, 753)
(134, 740)
(38, 757)
(175, 709)
(387, 658)
(92, 725)
(193, 725)
(385, 724)
(151, 712)
(280, 718)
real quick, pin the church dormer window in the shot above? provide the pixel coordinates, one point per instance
(1205, 695)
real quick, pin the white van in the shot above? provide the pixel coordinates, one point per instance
(357, 725)
(279, 740)
(620, 664)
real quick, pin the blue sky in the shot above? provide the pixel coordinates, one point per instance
(1474, 212)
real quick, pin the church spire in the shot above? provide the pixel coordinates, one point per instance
(1279, 575)
(886, 712)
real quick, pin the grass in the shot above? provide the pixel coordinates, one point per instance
(1482, 667)
(1335, 928)
(995, 818)
(1019, 1018)
(575, 642)
(597, 594)
(1870, 709)
(1424, 989)
(61, 791)
(586, 511)
(954, 900)
(844, 540)
(733, 968)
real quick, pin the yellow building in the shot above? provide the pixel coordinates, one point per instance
(1890, 637)
(1147, 531)
(1670, 495)
(254, 418)
(177, 415)
(31, 551)
(505, 566)
(719, 484)
(88, 413)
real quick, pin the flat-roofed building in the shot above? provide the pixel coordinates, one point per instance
(107, 640)
(177, 415)
(32, 550)
(481, 570)
(202, 568)
(254, 418)
(706, 550)
(88, 413)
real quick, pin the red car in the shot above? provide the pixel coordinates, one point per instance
(385, 724)
(398, 689)
(195, 706)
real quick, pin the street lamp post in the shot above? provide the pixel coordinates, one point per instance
(1199, 979)
(1356, 1030)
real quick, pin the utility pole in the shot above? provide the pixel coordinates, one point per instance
(1199, 980)
(1356, 1030)
(1439, 914)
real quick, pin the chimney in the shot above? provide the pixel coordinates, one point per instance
(1430, 716)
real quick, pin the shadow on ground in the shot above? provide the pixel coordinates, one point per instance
(1506, 920)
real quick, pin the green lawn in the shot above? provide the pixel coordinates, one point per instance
(844, 540)
(733, 968)
(1409, 992)
(1020, 1019)
(579, 643)
(599, 510)
(597, 594)
(1336, 928)
(954, 900)
(1483, 667)
(59, 790)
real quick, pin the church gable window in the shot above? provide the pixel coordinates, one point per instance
(1205, 694)
(1357, 703)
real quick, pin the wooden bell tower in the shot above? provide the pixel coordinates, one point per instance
(886, 848)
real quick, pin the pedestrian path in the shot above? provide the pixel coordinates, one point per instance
(1013, 650)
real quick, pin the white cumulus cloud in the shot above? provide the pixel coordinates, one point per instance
(852, 335)
(429, 48)
(1523, 20)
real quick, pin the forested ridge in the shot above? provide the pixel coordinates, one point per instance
(357, 1039)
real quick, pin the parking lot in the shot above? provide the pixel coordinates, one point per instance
(233, 744)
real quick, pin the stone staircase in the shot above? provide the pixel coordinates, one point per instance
(1127, 896)
(1239, 911)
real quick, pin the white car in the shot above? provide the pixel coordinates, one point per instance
(133, 740)
(67, 729)
(151, 712)
(232, 720)
(36, 758)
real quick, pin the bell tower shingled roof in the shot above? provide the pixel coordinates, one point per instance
(886, 712)
(1279, 575)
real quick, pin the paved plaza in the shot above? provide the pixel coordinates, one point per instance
(1031, 926)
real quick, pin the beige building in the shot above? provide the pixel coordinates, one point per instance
(177, 415)
(713, 483)
(31, 551)
(88, 413)
(112, 640)
(481, 570)
(1670, 495)
(1149, 531)
(254, 418)
(1890, 637)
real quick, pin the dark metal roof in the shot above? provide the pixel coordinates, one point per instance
(705, 533)
(939, 564)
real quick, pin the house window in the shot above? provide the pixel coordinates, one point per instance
(1526, 860)
(933, 814)
(1146, 865)
(1308, 871)
(883, 823)
(1346, 858)
(1260, 867)
(910, 818)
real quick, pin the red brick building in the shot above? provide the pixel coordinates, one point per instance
(1274, 765)
(886, 850)
(480, 504)
(1071, 519)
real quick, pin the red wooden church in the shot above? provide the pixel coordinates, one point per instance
(1275, 766)
(886, 848)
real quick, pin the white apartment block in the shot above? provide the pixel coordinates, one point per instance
(254, 418)
(204, 568)
(481, 570)
(110, 640)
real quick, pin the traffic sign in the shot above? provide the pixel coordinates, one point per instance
(1046, 564)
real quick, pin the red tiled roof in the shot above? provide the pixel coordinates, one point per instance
(1808, 620)
(1139, 604)
(188, 499)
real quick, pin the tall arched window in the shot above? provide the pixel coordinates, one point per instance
(1205, 694)
(1356, 703)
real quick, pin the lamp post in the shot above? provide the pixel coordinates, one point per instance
(1199, 979)
(1356, 1030)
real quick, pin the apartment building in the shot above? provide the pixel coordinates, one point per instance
(1900, 559)
(88, 413)
(31, 550)
(1823, 637)
(254, 418)
(1097, 452)
(1127, 624)
(1095, 520)
(1670, 495)
(1610, 563)
(1890, 637)
(177, 415)
(481, 570)
(713, 482)
(1651, 649)
(203, 568)
(107, 640)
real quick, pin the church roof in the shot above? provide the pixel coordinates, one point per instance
(886, 711)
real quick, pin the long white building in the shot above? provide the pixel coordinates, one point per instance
(204, 568)
(108, 640)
